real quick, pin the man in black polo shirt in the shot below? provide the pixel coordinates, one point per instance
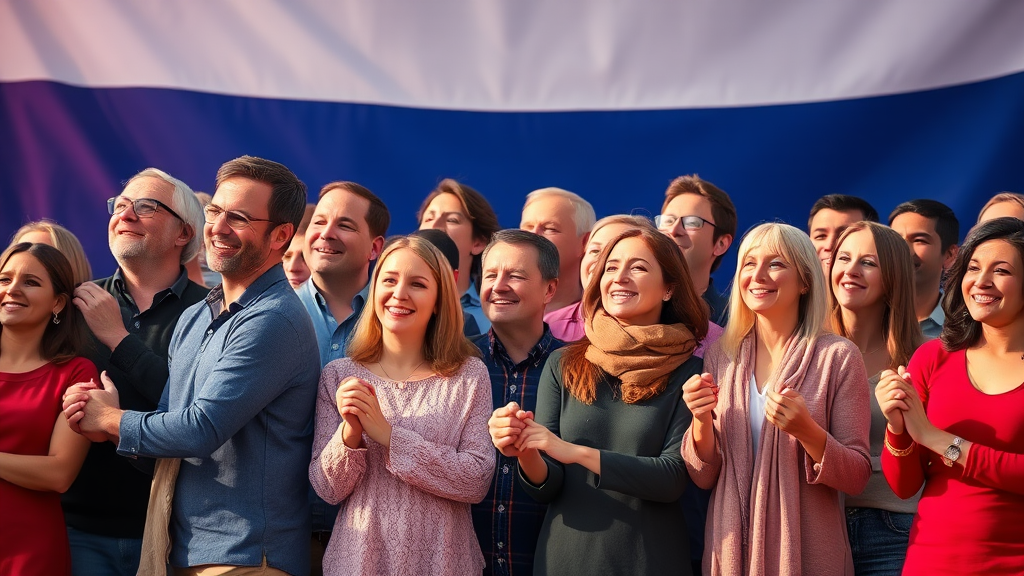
(155, 226)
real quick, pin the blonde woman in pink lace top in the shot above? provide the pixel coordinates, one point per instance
(401, 427)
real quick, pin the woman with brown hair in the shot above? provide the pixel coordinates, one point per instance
(468, 219)
(871, 294)
(603, 451)
(956, 416)
(41, 336)
(401, 426)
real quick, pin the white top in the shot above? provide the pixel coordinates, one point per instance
(757, 400)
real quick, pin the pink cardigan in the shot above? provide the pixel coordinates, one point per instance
(775, 514)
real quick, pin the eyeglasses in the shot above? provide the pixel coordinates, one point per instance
(236, 220)
(143, 207)
(668, 222)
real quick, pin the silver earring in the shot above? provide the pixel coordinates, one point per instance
(667, 297)
(55, 319)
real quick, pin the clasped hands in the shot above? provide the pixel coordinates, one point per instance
(901, 404)
(515, 434)
(360, 411)
(86, 406)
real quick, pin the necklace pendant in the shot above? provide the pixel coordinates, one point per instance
(401, 384)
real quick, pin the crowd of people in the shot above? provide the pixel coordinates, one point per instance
(266, 386)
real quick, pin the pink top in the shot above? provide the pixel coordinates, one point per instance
(566, 324)
(407, 510)
(969, 518)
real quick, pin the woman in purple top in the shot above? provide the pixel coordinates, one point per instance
(401, 426)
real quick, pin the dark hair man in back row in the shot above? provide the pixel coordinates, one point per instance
(830, 215)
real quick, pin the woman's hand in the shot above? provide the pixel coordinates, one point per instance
(915, 419)
(358, 398)
(700, 393)
(536, 437)
(788, 412)
(505, 425)
(891, 398)
(352, 435)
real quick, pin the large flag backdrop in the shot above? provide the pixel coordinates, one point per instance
(777, 103)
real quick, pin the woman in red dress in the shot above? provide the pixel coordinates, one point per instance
(41, 334)
(956, 416)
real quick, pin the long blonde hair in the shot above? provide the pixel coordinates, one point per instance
(444, 346)
(796, 248)
(899, 322)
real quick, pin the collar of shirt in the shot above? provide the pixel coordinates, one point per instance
(937, 315)
(470, 297)
(215, 299)
(358, 301)
(177, 288)
(537, 355)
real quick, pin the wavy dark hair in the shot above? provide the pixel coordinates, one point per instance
(68, 339)
(960, 330)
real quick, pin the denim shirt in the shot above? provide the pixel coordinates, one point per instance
(236, 409)
(471, 306)
(331, 335)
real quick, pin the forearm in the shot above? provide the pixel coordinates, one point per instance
(462, 473)
(534, 467)
(703, 434)
(938, 440)
(589, 458)
(813, 441)
(336, 469)
(43, 473)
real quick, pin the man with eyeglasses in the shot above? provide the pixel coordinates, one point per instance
(244, 370)
(701, 219)
(153, 230)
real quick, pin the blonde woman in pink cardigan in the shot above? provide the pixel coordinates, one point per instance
(780, 419)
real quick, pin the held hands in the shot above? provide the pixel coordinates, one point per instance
(536, 437)
(359, 408)
(700, 393)
(85, 404)
(101, 312)
(505, 426)
(891, 397)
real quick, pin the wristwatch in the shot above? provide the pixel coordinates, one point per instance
(952, 453)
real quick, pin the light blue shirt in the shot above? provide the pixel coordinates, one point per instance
(331, 336)
(236, 409)
(471, 305)
(932, 325)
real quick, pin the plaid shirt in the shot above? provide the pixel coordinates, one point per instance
(508, 521)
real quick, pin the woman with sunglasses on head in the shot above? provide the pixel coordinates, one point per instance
(401, 432)
(41, 335)
(871, 292)
(603, 451)
(780, 419)
(956, 416)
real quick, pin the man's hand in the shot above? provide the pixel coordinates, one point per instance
(102, 314)
(99, 418)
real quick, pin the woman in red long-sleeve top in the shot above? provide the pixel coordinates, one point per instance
(956, 416)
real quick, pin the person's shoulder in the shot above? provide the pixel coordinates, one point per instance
(193, 293)
(79, 365)
(481, 341)
(343, 365)
(834, 343)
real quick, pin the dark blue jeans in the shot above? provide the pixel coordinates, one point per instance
(878, 540)
(95, 555)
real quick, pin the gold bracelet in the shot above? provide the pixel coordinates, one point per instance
(896, 451)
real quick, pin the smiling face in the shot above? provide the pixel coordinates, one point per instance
(925, 247)
(405, 293)
(826, 226)
(698, 246)
(446, 212)
(993, 287)
(633, 288)
(240, 255)
(27, 297)
(769, 284)
(598, 238)
(338, 241)
(131, 237)
(553, 217)
(512, 290)
(856, 273)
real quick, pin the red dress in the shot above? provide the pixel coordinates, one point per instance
(33, 538)
(970, 518)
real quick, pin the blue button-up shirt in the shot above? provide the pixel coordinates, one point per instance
(507, 521)
(931, 326)
(331, 335)
(471, 306)
(236, 409)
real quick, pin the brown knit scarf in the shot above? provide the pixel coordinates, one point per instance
(641, 357)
